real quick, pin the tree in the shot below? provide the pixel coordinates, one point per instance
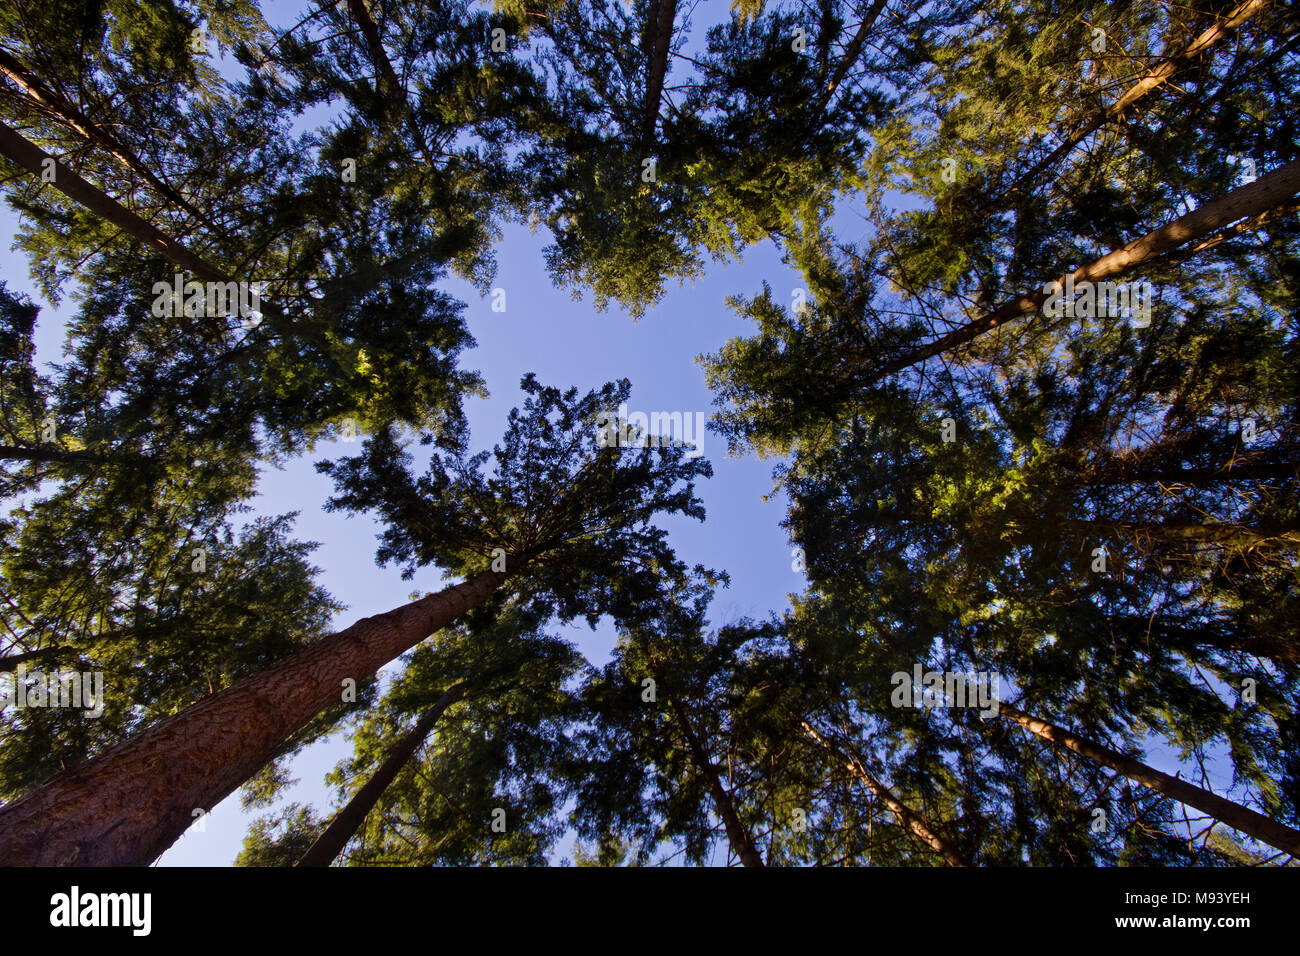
(488, 787)
(573, 524)
(1234, 815)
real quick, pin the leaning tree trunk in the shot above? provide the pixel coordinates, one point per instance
(129, 804)
(661, 41)
(54, 104)
(348, 820)
(853, 50)
(1156, 76)
(34, 159)
(1254, 199)
(1232, 814)
(737, 835)
(908, 817)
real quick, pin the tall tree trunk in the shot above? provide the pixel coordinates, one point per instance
(737, 835)
(388, 83)
(1219, 534)
(52, 103)
(348, 820)
(397, 107)
(853, 50)
(128, 805)
(1263, 194)
(908, 817)
(661, 35)
(1153, 78)
(1232, 814)
(32, 158)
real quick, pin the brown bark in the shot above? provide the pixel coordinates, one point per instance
(1263, 194)
(1232, 814)
(662, 39)
(52, 103)
(853, 50)
(909, 818)
(1154, 78)
(348, 820)
(128, 805)
(31, 157)
(737, 835)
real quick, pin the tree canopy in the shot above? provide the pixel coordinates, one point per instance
(1034, 414)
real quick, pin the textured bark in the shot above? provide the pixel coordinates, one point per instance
(53, 104)
(737, 835)
(908, 817)
(662, 39)
(1154, 78)
(348, 820)
(128, 805)
(1232, 814)
(1263, 194)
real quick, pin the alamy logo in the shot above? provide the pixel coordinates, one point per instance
(24, 689)
(75, 908)
(622, 429)
(181, 299)
(946, 689)
(1115, 300)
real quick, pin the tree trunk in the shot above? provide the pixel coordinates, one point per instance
(52, 103)
(853, 50)
(1232, 814)
(906, 816)
(397, 108)
(128, 805)
(1217, 534)
(737, 835)
(1251, 199)
(32, 158)
(662, 39)
(348, 820)
(1154, 78)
